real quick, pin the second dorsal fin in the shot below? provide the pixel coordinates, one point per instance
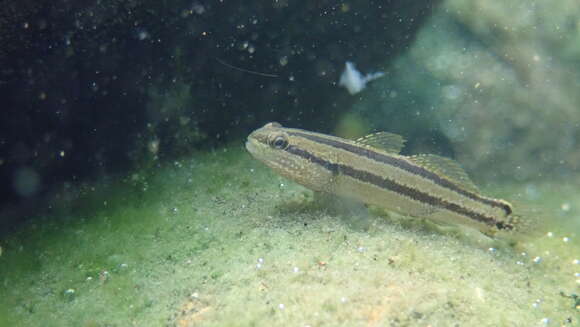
(447, 168)
(385, 141)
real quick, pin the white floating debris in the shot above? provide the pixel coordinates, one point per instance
(353, 80)
(565, 206)
(69, 294)
(480, 293)
(281, 306)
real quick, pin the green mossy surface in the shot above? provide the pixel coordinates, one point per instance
(220, 240)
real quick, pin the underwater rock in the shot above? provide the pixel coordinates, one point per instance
(497, 79)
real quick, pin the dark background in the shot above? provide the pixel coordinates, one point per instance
(89, 88)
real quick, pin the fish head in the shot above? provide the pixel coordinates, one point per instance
(288, 155)
(269, 144)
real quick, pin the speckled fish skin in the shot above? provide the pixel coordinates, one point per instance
(373, 176)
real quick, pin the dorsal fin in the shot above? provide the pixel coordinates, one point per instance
(447, 168)
(385, 141)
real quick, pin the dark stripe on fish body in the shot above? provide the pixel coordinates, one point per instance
(391, 185)
(404, 165)
(332, 167)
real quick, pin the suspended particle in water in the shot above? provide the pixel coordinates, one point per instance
(283, 61)
(26, 182)
(153, 146)
(197, 8)
(69, 294)
(452, 92)
(141, 34)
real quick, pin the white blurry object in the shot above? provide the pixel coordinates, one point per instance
(353, 80)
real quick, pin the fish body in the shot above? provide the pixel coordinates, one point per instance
(372, 171)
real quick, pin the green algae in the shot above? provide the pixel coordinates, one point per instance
(219, 240)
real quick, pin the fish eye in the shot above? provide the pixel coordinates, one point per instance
(279, 142)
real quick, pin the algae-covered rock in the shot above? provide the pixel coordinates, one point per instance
(498, 79)
(219, 240)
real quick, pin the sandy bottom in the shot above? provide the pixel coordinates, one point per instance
(219, 240)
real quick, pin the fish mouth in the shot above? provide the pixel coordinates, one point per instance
(252, 146)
